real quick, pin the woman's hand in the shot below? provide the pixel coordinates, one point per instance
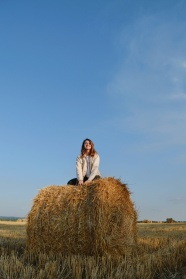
(80, 182)
(86, 182)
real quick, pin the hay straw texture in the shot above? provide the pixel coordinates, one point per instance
(94, 219)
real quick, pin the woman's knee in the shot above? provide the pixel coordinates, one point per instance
(97, 177)
(73, 181)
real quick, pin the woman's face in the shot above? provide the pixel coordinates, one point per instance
(87, 145)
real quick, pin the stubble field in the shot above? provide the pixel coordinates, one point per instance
(160, 253)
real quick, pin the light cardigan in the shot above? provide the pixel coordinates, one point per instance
(81, 167)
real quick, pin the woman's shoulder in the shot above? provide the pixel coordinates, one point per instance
(96, 155)
(80, 157)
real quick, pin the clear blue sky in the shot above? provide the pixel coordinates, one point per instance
(113, 71)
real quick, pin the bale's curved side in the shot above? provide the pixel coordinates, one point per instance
(94, 219)
(114, 216)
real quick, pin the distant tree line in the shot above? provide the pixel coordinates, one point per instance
(4, 218)
(168, 220)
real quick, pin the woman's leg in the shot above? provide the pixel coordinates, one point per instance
(73, 181)
(85, 179)
(97, 177)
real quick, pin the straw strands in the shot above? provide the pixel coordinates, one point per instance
(94, 219)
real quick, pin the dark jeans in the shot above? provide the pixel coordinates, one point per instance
(75, 181)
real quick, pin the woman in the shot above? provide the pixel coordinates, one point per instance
(87, 164)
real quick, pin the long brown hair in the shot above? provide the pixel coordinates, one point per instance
(92, 150)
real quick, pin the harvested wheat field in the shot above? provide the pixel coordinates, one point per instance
(94, 219)
(160, 253)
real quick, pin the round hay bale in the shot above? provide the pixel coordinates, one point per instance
(94, 219)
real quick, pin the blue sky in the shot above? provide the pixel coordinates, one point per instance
(112, 71)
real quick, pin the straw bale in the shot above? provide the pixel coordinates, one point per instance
(94, 219)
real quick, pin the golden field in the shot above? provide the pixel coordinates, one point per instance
(160, 253)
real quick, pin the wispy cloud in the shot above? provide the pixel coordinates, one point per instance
(183, 64)
(178, 200)
(150, 86)
(178, 96)
(181, 158)
(153, 61)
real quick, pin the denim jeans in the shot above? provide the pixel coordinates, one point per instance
(75, 181)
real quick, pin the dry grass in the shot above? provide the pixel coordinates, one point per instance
(96, 219)
(160, 254)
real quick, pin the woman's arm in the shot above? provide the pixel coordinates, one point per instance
(79, 169)
(94, 169)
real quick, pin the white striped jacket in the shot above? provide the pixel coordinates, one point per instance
(81, 167)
